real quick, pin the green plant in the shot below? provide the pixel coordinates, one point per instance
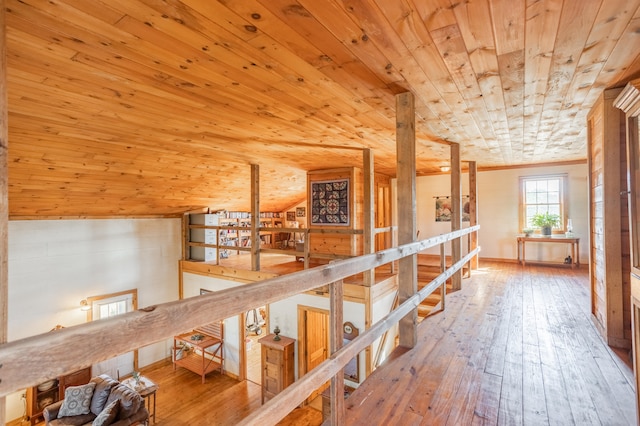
(546, 219)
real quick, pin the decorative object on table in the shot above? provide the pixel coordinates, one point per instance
(545, 221)
(136, 378)
(276, 331)
(569, 232)
(197, 337)
(330, 202)
(527, 232)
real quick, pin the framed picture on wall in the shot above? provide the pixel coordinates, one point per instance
(300, 212)
(291, 216)
(330, 202)
(443, 209)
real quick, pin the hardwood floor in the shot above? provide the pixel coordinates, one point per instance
(183, 400)
(515, 346)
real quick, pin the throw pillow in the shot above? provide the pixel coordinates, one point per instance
(77, 400)
(104, 384)
(108, 415)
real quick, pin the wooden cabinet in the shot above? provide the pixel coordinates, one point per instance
(610, 263)
(52, 391)
(277, 365)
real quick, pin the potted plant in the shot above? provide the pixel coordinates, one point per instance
(545, 221)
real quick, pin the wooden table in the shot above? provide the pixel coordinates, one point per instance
(146, 389)
(573, 241)
(198, 351)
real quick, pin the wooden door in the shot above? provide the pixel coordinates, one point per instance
(314, 341)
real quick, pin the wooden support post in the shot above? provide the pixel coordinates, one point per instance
(336, 295)
(255, 218)
(406, 178)
(4, 198)
(443, 266)
(369, 243)
(456, 213)
(369, 216)
(473, 211)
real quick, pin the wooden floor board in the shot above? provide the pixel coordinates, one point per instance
(542, 359)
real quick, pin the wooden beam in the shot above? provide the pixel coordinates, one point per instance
(336, 337)
(255, 217)
(456, 213)
(4, 199)
(473, 209)
(369, 216)
(406, 172)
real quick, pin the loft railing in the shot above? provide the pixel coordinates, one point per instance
(302, 232)
(27, 362)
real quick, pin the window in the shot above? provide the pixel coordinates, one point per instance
(110, 305)
(540, 194)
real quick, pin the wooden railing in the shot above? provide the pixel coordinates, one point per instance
(33, 360)
(305, 232)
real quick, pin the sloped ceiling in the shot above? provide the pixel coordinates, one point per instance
(151, 107)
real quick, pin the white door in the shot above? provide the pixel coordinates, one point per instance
(121, 365)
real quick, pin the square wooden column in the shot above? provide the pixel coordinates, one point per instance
(255, 218)
(456, 213)
(4, 199)
(406, 177)
(473, 210)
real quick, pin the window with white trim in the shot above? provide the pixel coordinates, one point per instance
(540, 194)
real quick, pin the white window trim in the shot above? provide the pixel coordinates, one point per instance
(564, 179)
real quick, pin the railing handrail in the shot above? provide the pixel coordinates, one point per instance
(29, 361)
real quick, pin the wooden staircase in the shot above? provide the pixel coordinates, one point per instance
(426, 273)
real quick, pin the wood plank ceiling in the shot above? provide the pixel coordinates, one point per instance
(156, 107)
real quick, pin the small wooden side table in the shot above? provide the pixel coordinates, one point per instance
(146, 389)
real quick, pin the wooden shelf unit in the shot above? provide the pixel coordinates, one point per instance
(202, 356)
(269, 220)
(227, 231)
(202, 230)
(36, 397)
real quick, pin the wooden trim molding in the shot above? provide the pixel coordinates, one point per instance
(629, 99)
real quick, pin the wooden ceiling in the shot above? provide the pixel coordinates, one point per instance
(156, 107)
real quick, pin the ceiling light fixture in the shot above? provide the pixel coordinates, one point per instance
(445, 168)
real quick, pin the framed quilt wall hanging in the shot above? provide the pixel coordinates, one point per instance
(330, 202)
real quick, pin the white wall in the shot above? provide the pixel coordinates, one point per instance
(284, 314)
(192, 283)
(498, 199)
(53, 264)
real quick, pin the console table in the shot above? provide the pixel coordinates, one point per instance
(573, 241)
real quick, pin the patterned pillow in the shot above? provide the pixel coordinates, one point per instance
(77, 400)
(108, 415)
